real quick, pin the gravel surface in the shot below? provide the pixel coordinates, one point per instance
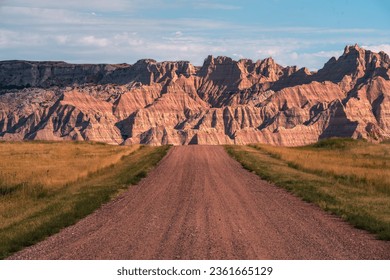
(198, 203)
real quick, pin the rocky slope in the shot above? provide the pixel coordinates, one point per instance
(222, 102)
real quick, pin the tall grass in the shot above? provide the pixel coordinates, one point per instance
(352, 162)
(31, 211)
(345, 177)
(54, 164)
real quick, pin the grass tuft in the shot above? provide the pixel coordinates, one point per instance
(336, 143)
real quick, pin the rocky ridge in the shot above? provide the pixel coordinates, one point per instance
(222, 102)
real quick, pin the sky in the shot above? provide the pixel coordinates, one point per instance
(298, 32)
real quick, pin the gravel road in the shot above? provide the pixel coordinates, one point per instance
(198, 203)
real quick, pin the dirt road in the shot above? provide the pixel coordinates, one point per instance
(200, 204)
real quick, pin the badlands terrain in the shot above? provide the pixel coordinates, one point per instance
(197, 203)
(222, 102)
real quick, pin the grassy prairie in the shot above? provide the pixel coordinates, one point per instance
(53, 164)
(35, 203)
(346, 177)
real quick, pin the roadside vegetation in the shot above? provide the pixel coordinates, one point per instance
(345, 177)
(45, 187)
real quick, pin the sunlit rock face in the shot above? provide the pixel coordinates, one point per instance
(222, 102)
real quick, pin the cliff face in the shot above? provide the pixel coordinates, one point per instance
(222, 102)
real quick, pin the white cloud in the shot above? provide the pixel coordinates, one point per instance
(127, 39)
(239, 56)
(276, 48)
(11, 39)
(327, 54)
(310, 60)
(6, 37)
(61, 39)
(31, 17)
(93, 41)
(377, 48)
(115, 31)
(96, 5)
(270, 51)
(294, 55)
(216, 6)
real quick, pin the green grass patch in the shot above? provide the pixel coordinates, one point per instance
(51, 209)
(336, 143)
(355, 199)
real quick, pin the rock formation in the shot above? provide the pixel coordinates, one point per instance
(222, 102)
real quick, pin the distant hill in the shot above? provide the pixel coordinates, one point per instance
(222, 102)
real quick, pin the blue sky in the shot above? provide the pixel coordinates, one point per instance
(300, 32)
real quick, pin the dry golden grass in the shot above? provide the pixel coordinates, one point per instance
(346, 177)
(54, 164)
(32, 169)
(48, 186)
(360, 162)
